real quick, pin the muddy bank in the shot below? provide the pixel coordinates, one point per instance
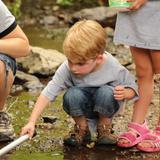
(48, 144)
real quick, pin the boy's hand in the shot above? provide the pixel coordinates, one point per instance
(28, 129)
(119, 93)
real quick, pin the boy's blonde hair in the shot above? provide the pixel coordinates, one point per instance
(85, 40)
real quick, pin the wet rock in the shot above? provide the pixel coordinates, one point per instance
(42, 61)
(104, 15)
(17, 88)
(30, 82)
(49, 119)
(109, 31)
(47, 126)
(50, 20)
(31, 104)
(33, 86)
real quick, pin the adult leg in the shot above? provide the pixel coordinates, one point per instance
(144, 73)
(5, 85)
(6, 129)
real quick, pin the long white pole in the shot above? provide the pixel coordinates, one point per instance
(13, 144)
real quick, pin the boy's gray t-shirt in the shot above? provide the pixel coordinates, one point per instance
(7, 20)
(111, 73)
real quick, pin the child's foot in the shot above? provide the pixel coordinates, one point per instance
(105, 136)
(136, 134)
(6, 128)
(151, 143)
(125, 142)
(78, 136)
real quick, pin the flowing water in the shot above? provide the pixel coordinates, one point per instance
(45, 38)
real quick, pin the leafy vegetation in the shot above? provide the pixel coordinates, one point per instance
(65, 2)
(76, 2)
(14, 7)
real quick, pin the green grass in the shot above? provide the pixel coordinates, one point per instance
(48, 142)
(35, 156)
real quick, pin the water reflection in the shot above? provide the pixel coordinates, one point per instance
(137, 159)
(107, 153)
(83, 153)
(45, 38)
(97, 153)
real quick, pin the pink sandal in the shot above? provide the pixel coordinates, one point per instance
(141, 130)
(153, 139)
(157, 130)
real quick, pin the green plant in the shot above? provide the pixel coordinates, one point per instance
(15, 8)
(65, 2)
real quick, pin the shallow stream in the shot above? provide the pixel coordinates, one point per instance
(48, 142)
(47, 145)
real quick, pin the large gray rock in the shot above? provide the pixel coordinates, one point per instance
(104, 15)
(30, 82)
(42, 61)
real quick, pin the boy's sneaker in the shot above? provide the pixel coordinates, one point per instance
(78, 137)
(105, 136)
(6, 128)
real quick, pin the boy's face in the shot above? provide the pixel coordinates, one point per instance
(81, 68)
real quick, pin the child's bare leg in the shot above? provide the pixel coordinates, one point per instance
(155, 56)
(5, 86)
(145, 83)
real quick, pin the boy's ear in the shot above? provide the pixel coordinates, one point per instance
(100, 58)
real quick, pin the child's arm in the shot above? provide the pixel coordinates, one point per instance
(41, 103)
(121, 93)
(136, 4)
(59, 82)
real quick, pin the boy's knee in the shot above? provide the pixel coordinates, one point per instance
(73, 93)
(105, 92)
(105, 102)
(74, 97)
(73, 100)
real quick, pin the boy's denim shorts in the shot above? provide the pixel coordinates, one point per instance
(10, 63)
(90, 102)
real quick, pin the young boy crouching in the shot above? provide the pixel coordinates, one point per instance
(96, 84)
